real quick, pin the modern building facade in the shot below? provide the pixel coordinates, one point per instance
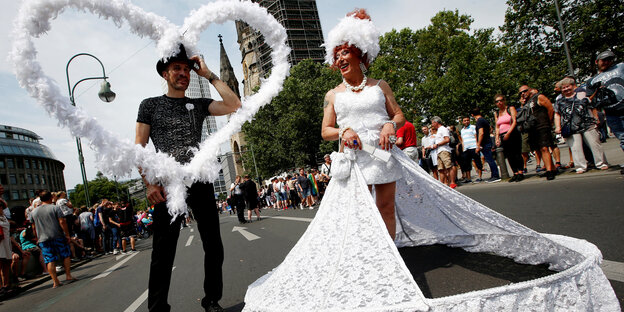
(27, 166)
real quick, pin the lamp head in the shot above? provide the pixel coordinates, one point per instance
(105, 93)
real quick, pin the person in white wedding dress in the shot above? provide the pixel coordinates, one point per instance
(366, 112)
(346, 261)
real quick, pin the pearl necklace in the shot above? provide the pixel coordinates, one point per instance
(352, 88)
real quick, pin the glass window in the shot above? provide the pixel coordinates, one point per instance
(37, 179)
(27, 163)
(3, 179)
(2, 134)
(29, 179)
(45, 165)
(5, 196)
(10, 163)
(14, 195)
(22, 179)
(24, 194)
(2, 164)
(40, 165)
(31, 193)
(43, 180)
(20, 163)
(21, 137)
(34, 164)
(12, 179)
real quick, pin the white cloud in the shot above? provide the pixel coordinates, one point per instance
(130, 61)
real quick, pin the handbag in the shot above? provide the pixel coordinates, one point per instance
(566, 129)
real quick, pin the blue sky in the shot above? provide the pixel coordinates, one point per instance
(130, 61)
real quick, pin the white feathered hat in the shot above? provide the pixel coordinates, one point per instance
(360, 33)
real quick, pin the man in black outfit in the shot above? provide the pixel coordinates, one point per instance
(250, 192)
(173, 122)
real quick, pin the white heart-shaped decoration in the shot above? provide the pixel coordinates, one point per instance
(119, 157)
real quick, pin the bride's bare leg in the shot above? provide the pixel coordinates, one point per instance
(385, 203)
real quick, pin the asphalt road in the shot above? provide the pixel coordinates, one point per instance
(590, 206)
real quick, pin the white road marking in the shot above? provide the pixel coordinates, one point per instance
(191, 230)
(115, 267)
(137, 303)
(190, 239)
(249, 236)
(284, 218)
(613, 270)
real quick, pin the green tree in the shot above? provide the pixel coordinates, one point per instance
(441, 70)
(99, 188)
(287, 133)
(531, 35)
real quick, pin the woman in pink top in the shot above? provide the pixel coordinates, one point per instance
(509, 137)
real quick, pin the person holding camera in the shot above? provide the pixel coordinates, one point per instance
(607, 87)
(575, 120)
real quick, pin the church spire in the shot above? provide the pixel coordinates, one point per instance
(226, 70)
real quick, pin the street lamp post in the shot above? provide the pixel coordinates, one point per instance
(105, 95)
(565, 41)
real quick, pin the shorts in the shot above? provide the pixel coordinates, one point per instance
(128, 231)
(411, 152)
(55, 249)
(444, 160)
(540, 138)
(526, 148)
(305, 192)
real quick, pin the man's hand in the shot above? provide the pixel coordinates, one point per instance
(203, 70)
(478, 149)
(156, 194)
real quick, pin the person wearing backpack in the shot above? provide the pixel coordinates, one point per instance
(539, 126)
(509, 137)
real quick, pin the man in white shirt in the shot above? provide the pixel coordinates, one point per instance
(441, 146)
(469, 142)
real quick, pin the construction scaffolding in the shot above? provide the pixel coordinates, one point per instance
(303, 27)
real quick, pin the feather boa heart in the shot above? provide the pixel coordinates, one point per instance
(119, 157)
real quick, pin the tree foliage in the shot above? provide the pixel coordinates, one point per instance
(441, 70)
(99, 188)
(531, 34)
(287, 133)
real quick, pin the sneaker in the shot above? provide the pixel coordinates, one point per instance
(520, 177)
(513, 179)
(539, 169)
(214, 307)
(580, 170)
(116, 251)
(123, 252)
(525, 170)
(493, 180)
(479, 180)
(453, 185)
(468, 181)
(133, 250)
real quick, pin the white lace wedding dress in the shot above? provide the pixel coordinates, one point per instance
(346, 261)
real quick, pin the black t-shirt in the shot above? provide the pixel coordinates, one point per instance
(485, 125)
(114, 215)
(303, 182)
(106, 212)
(175, 123)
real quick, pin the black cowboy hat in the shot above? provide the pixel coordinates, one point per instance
(179, 57)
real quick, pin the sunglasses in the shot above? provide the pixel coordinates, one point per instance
(498, 101)
(522, 92)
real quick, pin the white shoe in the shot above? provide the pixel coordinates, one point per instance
(115, 252)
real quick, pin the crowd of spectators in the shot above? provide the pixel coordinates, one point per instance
(532, 129)
(54, 233)
(299, 189)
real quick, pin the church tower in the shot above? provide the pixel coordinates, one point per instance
(303, 27)
(233, 164)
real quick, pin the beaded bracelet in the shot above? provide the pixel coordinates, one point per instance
(391, 122)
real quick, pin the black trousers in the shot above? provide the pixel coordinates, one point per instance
(512, 148)
(201, 200)
(239, 202)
